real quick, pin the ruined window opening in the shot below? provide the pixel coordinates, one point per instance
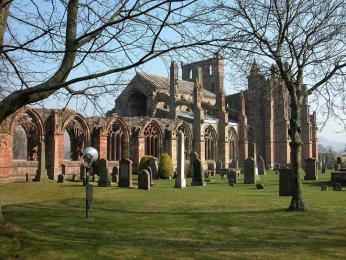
(152, 140)
(233, 146)
(210, 143)
(137, 105)
(116, 143)
(25, 139)
(74, 141)
(187, 140)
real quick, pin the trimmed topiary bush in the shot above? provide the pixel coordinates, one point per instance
(165, 166)
(144, 162)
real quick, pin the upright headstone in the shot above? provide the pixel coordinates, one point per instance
(249, 171)
(285, 182)
(115, 174)
(63, 169)
(144, 180)
(73, 177)
(193, 155)
(323, 170)
(218, 166)
(151, 175)
(125, 176)
(337, 187)
(261, 166)
(61, 178)
(153, 164)
(103, 174)
(180, 181)
(232, 176)
(310, 169)
(197, 175)
(27, 177)
(211, 168)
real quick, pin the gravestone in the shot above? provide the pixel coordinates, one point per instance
(323, 170)
(144, 180)
(63, 169)
(277, 167)
(27, 177)
(197, 175)
(261, 166)
(115, 174)
(61, 178)
(153, 164)
(151, 175)
(125, 175)
(193, 155)
(249, 171)
(259, 186)
(285, 182)
(211, 168)
(337, 187)
(218, 166)
(180, 181)
(103, 174)
(310, 169)
(232, 176)
(223, 172)
(324, 187)
(73, 177)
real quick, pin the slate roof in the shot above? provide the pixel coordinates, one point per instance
(162, 83)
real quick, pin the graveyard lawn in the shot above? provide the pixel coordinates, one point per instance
(212, 222)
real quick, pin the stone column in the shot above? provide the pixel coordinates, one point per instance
(180, 181)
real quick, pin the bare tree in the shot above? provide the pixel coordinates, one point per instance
(305, 39)
(83, 47)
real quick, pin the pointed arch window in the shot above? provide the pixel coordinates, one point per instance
(210, 143)
(152, 140)
(74, 140)
(233, 145)
(25, 139)
(187, 139)
(116, 142)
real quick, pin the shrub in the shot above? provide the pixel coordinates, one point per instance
(165, 166)
(144, 162)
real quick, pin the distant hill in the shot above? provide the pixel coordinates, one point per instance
(338, 146)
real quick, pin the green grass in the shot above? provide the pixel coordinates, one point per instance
(213, 222)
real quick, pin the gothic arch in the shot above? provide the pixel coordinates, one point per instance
(136, 104)
(153, 138)
(183, 127)
(27, 132)
(233, 140)
(210, 142)
(117, 140)
(76, 129)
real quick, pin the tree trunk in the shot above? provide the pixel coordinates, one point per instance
(297, 203)
(4, 12)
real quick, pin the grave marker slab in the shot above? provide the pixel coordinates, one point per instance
(125, 175)
(144, 180)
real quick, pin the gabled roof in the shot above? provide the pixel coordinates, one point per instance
(162, 83)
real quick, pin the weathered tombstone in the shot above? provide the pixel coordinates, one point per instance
(115, 174)
(261, 166)
(27, 177)
(144, 180)
(259, 186)
(285, 182)
(180, 181)
(197, 176)
(249, 171)
(103, 174)
(82, 173)
(337, 187)
(223, 172)
(323, 170)
(277, 166)
(151, 175)
(211, 168)
(73, 177)
(218, 166)
(125, 176)
(153, 164)
(232, 176)
(310, 169)
(324, 187)
(63, 169)
(193, 155)
(61, 178)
